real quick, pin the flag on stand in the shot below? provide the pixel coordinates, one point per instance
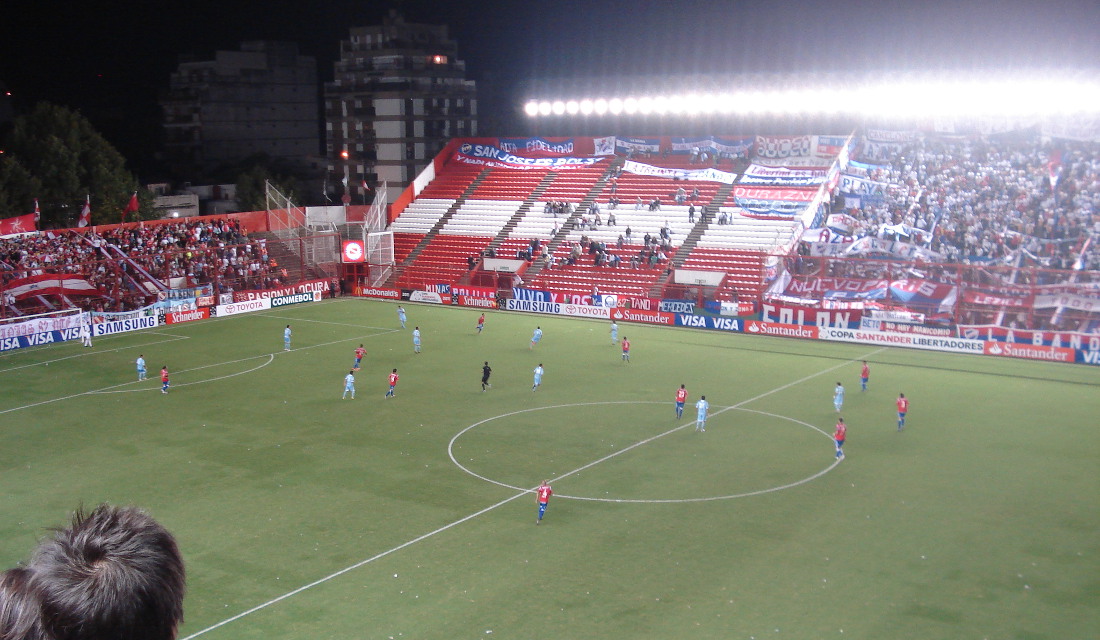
(37, 212)
(18, 224)
(131, 207)
(85, 213)
(364, 185)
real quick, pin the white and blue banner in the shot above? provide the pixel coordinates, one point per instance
(490, 156)
(707, 322)
(783, 176)
(648, 145)
(698, 175)
(536, 147)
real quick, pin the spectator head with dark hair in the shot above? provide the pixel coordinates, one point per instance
(20, 615)
(114, 573)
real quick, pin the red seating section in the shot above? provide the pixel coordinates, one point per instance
(744, 269)
(442, 261)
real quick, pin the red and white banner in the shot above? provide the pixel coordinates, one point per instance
(1071, 339)
(51, 284)
(18, 224)
(85, 213)
(993, 300)
(793, 314)
(650, 317)
(473, 292)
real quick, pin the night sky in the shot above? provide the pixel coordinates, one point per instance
(110, 63)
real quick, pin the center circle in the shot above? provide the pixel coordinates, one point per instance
(636, 442)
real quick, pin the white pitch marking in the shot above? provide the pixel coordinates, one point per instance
(486, 510)
(85, 354)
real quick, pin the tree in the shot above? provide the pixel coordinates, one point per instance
(55, 155)
(251, 192)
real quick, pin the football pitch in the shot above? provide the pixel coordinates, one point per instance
(305, 516)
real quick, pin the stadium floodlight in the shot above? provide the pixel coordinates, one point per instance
(915, 97)
(531, 108)
(558, 107)
(572, 107)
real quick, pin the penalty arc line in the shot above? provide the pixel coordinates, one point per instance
(503, 502)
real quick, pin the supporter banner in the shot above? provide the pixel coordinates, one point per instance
(641, 304)
(879, 151)
(732, 146)
(923, 292)
(784, 146)
(864, 170)
(781, 330)
(896, 315)
(442, 288)
(898, 327)
(536, 147)
(186, 293)
(604, 146)
(1067, 301)
(650, 317)
(51, 284)
(1071, 339)
(493, 157)
(123, 326)
(707, 322)
(725, 308)
(842, 223)
(1085, 128)
(377, 292)
(774, 193)
(42, 325)
(474, 292)
(18, 224)
(811, 287)
(186, 316)
(770, 209)
(321, 286)
(971, 296)
(475, 301)
(533, 295)
(699, 175)
(871, 246)
(915, 341)
(869, 191)
(248, 306)
(784, 176)
(1029, 351)
(885, 135)
(648, 145)
(790, 314)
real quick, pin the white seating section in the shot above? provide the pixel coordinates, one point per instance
(421, 215)
(481, 217)
(746, 233)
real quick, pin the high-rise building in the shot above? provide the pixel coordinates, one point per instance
(399, 94)
(262, 99)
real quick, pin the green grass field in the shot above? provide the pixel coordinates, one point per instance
(302, 516)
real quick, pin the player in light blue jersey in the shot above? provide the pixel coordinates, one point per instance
(536, 337)
(416, 340)
(538, 377)
(838, 397)
(141, 367)
(286, 338)
(614, 332)
(349, 385)
(701, 409)
(401, 315)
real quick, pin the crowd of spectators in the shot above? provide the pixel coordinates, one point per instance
(981, 200)
(120, 261)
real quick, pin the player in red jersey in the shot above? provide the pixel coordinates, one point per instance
(864, 374)
(393, 383)
(481, 323)
(542, 496)
(626, 350)
(681, 398)
(839, 435)
(164, 379)
(903, 408)
(359, 353)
